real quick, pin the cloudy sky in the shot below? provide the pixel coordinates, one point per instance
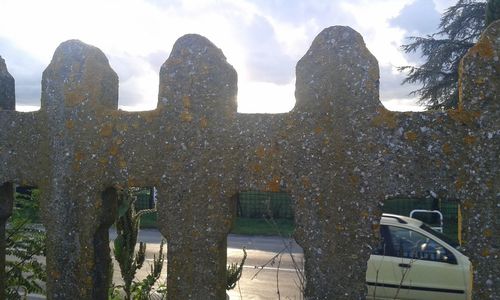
(262, 39)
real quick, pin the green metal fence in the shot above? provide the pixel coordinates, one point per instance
(449, 209)
(264, 205)
(144, 199)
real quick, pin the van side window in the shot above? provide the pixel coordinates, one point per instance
(407, 243)
(385, 246)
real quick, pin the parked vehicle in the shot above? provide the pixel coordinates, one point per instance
(413, 261)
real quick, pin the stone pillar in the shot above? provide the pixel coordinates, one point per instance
(478, 186)
(6, 202)
(7, 102)
(198, 97)
(337, 94)
(102, 253)
(77, 88)
(7, 88)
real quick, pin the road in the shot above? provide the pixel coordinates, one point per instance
(271, 265)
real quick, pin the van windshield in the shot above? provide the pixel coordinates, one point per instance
(440, 235)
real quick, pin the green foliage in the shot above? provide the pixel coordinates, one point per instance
(492, 11)
(127, 228)
(25, 243)
(251, 226)
(458, 30)
(234, 271)
(149, 221)
(27, 207)
(256, 204)
(142, 290)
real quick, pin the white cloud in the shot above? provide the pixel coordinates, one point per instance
(390, 84)
(418, 18)
(442, 5)
(403, 105)
(262, 39)
(257, 97)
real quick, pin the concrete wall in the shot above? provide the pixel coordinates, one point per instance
(339, 153)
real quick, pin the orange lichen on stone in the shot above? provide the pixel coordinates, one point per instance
(79, 156)
(203, 122)
(459, 184)
(72, 98)
(447, 149)
(168, 148)
(230, 112)
(132, 181)
(122, 126)
(385, 118)
(483, 48)
(70, 124)
(260, 151)
(186, 116)
(411, 136)
(480, 80)
(353, 180)
(186, 102)
(106, 130)
(489, 183)
(122, 163)
(306, 182)
(150, 116)
(464, 117)
(205, 69)
(318, 129)
(374, 75)
(214, 184)
(275, 149)
(55, 274)
(114, 150)
(469, 140)
(256, 168)
(274, 184)
(488, 233)
(467, 204)
(88, 280)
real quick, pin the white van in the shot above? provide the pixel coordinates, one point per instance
(415, 262)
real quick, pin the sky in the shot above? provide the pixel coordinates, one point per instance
(262, 39)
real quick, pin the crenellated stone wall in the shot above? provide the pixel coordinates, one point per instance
(339, 153)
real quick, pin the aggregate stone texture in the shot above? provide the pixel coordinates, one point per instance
(339, 153)
(7, 86)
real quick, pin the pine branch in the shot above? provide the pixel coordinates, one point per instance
(442, 51)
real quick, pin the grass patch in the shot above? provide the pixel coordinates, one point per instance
(244, 226)
(149, 221)
(250, 226)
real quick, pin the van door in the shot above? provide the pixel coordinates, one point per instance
(427, 269)
(382, 278)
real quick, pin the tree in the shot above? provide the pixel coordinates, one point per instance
(492, 11)
(459, 29)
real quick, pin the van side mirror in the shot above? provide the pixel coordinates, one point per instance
(450, 258)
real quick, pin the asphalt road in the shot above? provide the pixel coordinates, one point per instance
(271, 265)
